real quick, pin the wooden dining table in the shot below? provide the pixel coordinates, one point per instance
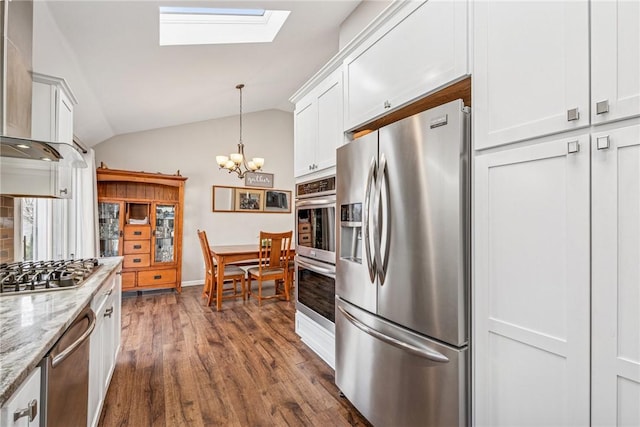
(228, 254)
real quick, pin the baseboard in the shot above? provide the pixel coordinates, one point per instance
(193, 282)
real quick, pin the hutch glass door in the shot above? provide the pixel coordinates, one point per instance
(164, 247)
(109, 219)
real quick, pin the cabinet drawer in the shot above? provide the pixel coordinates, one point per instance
(138, 260)
(137, 232)
(128, 280)
(304, 239)
(156, 277)
(304, 227)
(137, 247)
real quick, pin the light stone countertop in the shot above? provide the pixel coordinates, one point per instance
(30, 324)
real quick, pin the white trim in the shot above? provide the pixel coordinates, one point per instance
(57, 81)
(192, 282)
(317, 338)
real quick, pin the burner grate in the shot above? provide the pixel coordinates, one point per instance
(35, 276)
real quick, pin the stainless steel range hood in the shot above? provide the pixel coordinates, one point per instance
(29, 149)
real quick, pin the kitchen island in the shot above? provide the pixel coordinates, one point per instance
(30, 324)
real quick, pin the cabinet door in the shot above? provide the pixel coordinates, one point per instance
(424, 51)
(110, 228)
(616, 277)
(64, 120)
(96, 362)
(615, 60)
(164, 244)
(306, 135)
(330, 128)
(531, 294)
(24, 403)
(531, 69)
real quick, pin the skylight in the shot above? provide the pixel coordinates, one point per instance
(200, 25)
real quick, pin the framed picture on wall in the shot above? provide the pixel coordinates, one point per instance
(277, 201)
(249, 200)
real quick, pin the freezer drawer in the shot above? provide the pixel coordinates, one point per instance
(395, 377)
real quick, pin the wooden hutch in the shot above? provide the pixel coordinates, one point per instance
(140, 218)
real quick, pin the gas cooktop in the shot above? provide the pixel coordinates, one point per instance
(42, 276)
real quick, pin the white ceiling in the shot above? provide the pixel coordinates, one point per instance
(139, 85)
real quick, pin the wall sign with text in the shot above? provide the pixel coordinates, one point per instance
(258, 179)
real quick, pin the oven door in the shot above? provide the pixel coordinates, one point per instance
(316, 228)
(316, 291)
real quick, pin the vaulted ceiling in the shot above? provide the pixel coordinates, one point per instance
(134, 84)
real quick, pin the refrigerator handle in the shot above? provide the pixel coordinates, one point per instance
(371, 266)
(380, 264)
(425, 352)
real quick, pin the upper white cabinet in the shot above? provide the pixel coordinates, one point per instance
(531, 69)
(615, 341)
(531, 292)
(318, 126)
(52, 112)
(418, 50)
(615, 60)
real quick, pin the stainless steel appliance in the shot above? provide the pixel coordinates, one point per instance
(402, 276)
(315, 250)
(43, 276)
(65, 375)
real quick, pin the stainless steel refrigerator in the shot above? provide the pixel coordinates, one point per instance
(403, 270)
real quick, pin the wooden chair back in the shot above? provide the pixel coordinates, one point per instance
(276, 253)
(206, 252)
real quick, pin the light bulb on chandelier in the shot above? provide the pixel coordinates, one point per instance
(235, 162)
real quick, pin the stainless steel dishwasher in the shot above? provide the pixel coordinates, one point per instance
(65, 375)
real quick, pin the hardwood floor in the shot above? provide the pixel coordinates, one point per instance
(184, 364)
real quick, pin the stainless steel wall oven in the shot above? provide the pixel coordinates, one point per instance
(315, 250)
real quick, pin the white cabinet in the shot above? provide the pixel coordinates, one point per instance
(615, 60)
(52, 112)
(105, 343)
(530, 69)
(419, 50)
(23, 407)
(616, 277)
(531, 293)
(318, 126)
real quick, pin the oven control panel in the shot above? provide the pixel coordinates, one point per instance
(317, 187)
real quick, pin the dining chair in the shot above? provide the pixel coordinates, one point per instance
(231, 273)
(273, 264)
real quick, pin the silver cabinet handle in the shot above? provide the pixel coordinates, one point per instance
(426, 353)
(63, 191)
(602, 142)
(573, 147)
(371, 266)
(108, 312)
(387, 105)
(602, 107)
(573, 114)
(30, 411)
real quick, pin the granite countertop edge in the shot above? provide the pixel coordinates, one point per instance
(30, 324)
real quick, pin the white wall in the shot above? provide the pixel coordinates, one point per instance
(53, 56)
(361, 16)
(192, 148)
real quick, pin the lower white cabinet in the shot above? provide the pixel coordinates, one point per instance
(531, 295)
(23, 407)
(105, 343)
(615, 365)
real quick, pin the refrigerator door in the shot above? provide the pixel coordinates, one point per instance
(396, 377)
(423, 200)
(355, 182)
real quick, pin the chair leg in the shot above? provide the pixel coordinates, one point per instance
(212, 290)
(244, 290)
(259, 292)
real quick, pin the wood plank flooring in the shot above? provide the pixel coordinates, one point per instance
(184, 364)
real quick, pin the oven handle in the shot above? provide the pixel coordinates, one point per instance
(67, 351)
(330, 272)
(316, 203)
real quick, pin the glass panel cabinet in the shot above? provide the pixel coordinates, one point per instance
(140, 216)
(110, 228)
(164, 233)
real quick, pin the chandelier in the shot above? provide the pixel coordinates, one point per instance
(237, 162)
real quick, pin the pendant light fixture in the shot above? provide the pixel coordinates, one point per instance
(237, 162)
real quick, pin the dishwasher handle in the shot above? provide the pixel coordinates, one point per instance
(59, 358)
